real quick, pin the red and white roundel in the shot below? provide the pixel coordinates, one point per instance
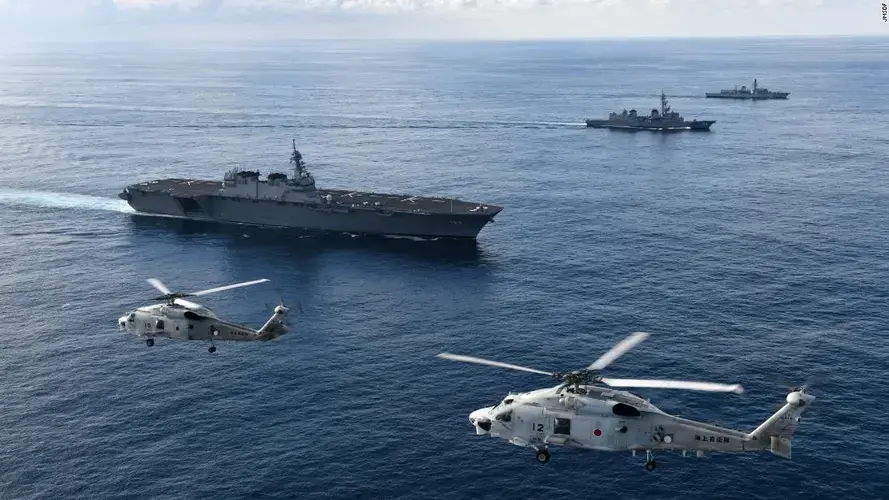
(597, 432)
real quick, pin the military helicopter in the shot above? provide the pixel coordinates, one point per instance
(578, 414)
(182, 319)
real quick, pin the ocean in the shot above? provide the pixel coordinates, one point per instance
(754, 254)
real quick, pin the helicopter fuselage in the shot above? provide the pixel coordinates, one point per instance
(599, 418)
(176, 322)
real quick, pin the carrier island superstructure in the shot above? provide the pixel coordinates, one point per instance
(246, 198)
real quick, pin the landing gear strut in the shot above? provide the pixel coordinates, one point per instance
(650, 463)
(542, 455)
(213, 332)
(149, 342)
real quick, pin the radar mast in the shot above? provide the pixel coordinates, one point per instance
(297, 159)
(664, 107)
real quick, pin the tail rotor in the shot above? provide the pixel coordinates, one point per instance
(279, 312)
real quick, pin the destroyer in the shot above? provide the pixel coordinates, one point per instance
(243, 197)
(755, 93)
(664, 120)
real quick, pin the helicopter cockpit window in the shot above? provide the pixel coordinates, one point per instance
(505, 416)
(507, 401)
(132, 317)
(563, 426)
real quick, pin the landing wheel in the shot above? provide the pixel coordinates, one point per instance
(650, 464)
(212, 348)
(149, 342)
(543, 455)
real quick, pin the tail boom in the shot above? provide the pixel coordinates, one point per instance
(779, 428)
(274, 327)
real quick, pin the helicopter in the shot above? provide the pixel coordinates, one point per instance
(182, 319)
(577, 413)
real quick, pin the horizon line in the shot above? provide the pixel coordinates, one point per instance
(492, 39)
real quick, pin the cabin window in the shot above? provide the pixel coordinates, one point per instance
(563, 426)
(160, 324)
(625, 410)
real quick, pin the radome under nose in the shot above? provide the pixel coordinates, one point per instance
(479, 418)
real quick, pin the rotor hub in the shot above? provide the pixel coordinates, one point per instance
(578, 377)
(173, 296)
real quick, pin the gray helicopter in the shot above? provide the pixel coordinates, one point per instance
(181, 319)
(578, 414)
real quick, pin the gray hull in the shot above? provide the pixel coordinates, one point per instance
(310, 217)
(700, 125)
(763, 97)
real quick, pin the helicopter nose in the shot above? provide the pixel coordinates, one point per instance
(479, 418)
(122, 323)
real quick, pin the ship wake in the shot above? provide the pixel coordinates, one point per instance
(62, 200)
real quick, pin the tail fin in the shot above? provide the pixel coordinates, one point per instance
(779, 428)
(275, 326)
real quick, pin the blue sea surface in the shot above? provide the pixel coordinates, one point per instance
(757, 253)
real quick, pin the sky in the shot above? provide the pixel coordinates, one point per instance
(171, 20)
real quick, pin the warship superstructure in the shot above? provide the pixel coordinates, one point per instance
(244, 197)
(664, 120)
(755, 93)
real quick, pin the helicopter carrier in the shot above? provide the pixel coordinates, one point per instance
(278, 201)
(664, 120)
(756, 93)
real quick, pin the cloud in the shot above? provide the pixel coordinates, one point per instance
(172, 19)
(185, 7)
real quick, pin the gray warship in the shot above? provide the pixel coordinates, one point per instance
(243, 197)
(756, 93)
(664, 120)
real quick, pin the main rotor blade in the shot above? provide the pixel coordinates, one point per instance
(159, 285)
(228, 287)
(480, 361)
(188, 304)
(673, 384)
(618, 350)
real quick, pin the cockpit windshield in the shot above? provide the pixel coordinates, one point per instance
(505, 402)
(505, 416)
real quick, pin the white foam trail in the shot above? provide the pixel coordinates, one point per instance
(412, 238)
(62, 200)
